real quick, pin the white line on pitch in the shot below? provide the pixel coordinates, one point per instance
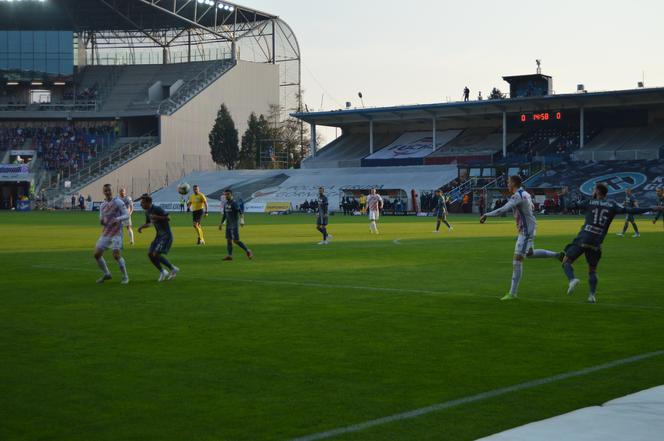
(375, 288)
(474, 398)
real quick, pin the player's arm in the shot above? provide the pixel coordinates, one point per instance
(147, 224)
(223, 217)
(500, 211)
(189, 202)
(205, 204)
(636, 210)
(124, 214)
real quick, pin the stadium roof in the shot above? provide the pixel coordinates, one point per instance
(123, 15)
(486, 108)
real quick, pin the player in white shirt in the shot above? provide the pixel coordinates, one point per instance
(522, 204)
(111, 215)
(129, 203)
(374, 206)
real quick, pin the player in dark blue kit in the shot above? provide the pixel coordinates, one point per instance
(599, 215)
(322, 217)
(233, 218)
(441, 211)
(630, 202)
(162, 242)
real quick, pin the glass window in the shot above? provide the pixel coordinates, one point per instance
(52, 42)
(40, 41)
(3, 41)
(475, 172)
(52, 66)
(27, 63)
(13, 42)
(27, 43)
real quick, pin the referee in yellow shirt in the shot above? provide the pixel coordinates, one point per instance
(197, 203)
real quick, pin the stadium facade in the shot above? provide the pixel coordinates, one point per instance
(126, 91)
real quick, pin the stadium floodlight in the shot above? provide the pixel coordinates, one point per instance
(12, 83)
(37, 83)
(59, 83)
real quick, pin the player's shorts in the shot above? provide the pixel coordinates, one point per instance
(524, 244)
(197, 215)
(441, 214)
(112, 242)
(321, 221)
(374, 215)
(127, 223)
(161, 244)
(629, 218)
(232, 233)
(577, 248)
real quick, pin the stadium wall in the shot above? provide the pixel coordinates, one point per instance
(248, 87)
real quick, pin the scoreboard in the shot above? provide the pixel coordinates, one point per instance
(541, 117)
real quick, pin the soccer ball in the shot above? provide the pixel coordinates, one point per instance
(184, 188)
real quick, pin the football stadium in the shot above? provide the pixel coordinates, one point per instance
(185, 256)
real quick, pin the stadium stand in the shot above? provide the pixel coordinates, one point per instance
(476, 144)
(347, 150)
(258, 188)
(409, 149)
(624, 143)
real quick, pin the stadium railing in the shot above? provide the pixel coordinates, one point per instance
(194, 86)
(617, 155)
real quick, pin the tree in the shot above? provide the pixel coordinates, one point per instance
(496, 94)
(292, 136)
(223, 140)
(258, 130)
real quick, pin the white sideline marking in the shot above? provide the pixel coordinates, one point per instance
(474, 398)
(381, 289)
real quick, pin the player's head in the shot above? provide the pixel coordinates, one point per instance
(123, 192)
(373, 191)
(514, 183)
(146, 201)
(628, 192)
(228, 194)
(321, 191)
(660, 191)
(108, 192)
(439, 192)
(601, 191)
(196, 189)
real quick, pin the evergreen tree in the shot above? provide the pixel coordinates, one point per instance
(223, 140)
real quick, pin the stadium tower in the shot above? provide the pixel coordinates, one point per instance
(126, 91)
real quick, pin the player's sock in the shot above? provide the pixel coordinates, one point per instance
(374, 228)
(437, 225)
(229, 248)
(164, 260)
(636, 229)
(569, 271)
(131, 235)
(324, 231)
(448, 224)
(544, 254)
(123, 266)
(625, 228)
(102, 265)
(242, 245)
(592, 281)
(517, 271)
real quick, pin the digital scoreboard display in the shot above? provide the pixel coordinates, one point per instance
(541, 117)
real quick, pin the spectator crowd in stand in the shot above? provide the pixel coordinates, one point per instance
(69, 148)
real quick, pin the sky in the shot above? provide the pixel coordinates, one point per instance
(425, 51)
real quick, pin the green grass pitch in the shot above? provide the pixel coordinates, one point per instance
(306, 338)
